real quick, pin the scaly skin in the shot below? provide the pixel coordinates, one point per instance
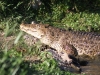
(68, 42)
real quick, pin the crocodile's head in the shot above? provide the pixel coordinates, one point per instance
(36, 30)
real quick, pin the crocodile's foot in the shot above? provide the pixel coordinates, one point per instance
(75, 64)
(66, 58)
(71, 61)
(63, 63)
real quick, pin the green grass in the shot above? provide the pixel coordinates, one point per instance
(11, 60)
(82, 21)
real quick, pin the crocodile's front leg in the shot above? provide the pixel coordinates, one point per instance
(68, 50)
(66, 58)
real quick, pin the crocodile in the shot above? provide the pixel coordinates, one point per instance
(67, 43)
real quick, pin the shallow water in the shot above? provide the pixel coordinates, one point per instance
(92, 68)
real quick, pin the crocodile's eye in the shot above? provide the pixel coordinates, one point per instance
(37, 25)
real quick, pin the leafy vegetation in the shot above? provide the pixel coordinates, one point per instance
(69, 14)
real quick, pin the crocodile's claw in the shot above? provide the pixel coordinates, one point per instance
(75, 63)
